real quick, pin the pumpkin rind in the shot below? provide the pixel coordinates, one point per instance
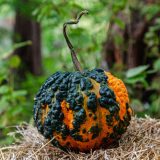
(82, 111)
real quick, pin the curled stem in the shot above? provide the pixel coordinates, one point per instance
(76, 63)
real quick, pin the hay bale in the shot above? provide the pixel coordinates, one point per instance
(141, 141)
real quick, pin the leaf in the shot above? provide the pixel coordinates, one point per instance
(19, 93)
(157, 65)
(136, 79)
(4, 89)
(4, 105)
(136, 71)
(15, 111)
(8, 53)
(14, 61)
(150, 10)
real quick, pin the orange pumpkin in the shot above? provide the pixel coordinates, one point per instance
(82, 110)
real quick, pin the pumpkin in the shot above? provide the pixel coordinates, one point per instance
(82, 110)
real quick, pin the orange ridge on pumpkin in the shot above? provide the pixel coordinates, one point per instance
(120, 92)
(68, 114)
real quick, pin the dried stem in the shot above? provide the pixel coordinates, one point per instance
(73, 53)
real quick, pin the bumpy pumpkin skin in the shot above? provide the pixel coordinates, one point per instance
(82, 111)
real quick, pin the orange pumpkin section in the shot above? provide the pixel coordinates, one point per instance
(120, 92)
(68, 114)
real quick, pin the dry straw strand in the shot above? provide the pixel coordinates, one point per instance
(140, 142)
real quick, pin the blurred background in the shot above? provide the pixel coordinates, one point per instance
(121, 36)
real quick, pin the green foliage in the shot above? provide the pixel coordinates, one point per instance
(136, 80)
(87, 36)
(136, 75)
(151, 10)
(12, 101)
